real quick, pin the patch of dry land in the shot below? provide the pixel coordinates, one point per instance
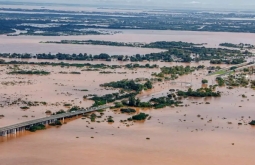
(200, 130)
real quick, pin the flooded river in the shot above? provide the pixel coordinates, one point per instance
(198, 134)
(30, 44)
(194, 135)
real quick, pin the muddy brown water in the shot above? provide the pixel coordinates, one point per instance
(177, 135)
(30, 44)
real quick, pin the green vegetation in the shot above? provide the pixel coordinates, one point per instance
(56, 123)
(204, 81)
(156, 103)
(90, 67)
(118, 105)
(148, 85)
(252, 122)
(82, 90)
(252, 84)
(24, 108)
(220, 72)
(34, 128)
(109, 98)
(240, 46)
(202, 92)
(75, 72)
(110, 119)
(125, 84)
(239, 60)
(236, 80)
(127, 110)
(59, 112)
(220, 81)
(48, 112)
(141, 116)
(37, 72)
(74, 108)
(163, 102)
(93, 117)
(176, 71)
(173, 51)
(158, 44)
(132, 101)
(128, 85)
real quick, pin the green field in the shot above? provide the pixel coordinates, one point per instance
(220, 72)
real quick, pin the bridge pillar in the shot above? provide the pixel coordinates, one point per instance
(63, 119)
(14, 131)
(4, 133)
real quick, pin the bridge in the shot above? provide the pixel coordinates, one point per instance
(13, 129)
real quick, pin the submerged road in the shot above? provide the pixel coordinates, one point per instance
(13, 129)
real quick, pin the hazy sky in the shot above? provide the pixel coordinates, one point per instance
(165, 3)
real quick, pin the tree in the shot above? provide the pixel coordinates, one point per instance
(132, 101)
(148, 85)
(204, 81)
(138, 101)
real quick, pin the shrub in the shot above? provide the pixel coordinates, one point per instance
(37, 127)
(141, 116)
(24, 108)
(110, 120)
(118, 104)
(127, 110)
(56, 123)
(48, 112)
(252, 122)
(204, 81)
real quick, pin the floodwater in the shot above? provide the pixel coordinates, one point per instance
(116, 62)
(30, 44)
(177, 135)
(198, 134)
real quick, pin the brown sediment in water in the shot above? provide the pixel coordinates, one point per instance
(30, 44)
(177, 135)
(197, 134)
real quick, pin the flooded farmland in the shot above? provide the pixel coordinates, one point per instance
(31, 44)
(176, 135)
(198, 131)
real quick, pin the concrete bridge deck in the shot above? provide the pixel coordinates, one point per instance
(12, 129)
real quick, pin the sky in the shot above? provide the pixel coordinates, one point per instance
(214, 4)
